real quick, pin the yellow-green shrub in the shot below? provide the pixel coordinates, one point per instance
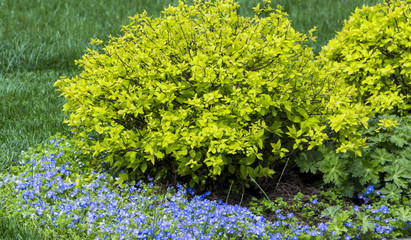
(203, 92)
(373, 54)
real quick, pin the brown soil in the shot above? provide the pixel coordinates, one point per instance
(290, 184)
(287, 187)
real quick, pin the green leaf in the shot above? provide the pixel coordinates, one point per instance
(405, 161)
(334, 169)
(382, 156)
(231, 169)
(404, 213)
(249, 159)
(347, 189)
(308, 161)
(243, 171)
(123, 176)
(330, 212)
(159, 154)
(398, 140)
(367, 171)
(303, 113)
(192, 153)
(276, 128)
(143, 167)
(191, 183)
(398, 174)
(391, 191)
(287, 106)
(264, 172)
(366, 222)
(252, 172)
(195, 178)
(292, 132)
(293, 118)
(337, 227)
(152, 159)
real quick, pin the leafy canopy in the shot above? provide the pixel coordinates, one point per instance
(201, 92)
(373, 54)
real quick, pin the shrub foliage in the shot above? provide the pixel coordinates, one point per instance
(373, 54)
(203, 92)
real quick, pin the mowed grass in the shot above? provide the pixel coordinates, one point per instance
(49, 34)
(40, 39)
(30, 111)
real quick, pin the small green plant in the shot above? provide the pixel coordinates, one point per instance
(201, 92)
(385, 163)
(372, 53)
(376, 216)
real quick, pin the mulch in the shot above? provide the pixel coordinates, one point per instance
(285, 186)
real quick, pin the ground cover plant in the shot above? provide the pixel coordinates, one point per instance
(51, 189)
(384, 163)
(57, 187)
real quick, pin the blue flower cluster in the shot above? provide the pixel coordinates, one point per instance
(97, 209)
(379, 222)
(58, 196)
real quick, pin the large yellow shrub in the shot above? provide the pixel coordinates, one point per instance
(202, 92)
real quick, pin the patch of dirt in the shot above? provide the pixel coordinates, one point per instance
(287, 186)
